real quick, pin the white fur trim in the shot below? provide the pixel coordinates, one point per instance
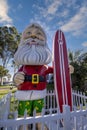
(30, 94)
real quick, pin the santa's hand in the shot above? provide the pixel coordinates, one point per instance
(71, 69)
(19, 78)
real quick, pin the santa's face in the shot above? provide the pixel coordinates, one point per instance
(33, 49)
(34, 35)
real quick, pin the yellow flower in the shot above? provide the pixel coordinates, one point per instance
(27, 103)
(20, 104)
(36, 108)
(39, 101)
(28, 111)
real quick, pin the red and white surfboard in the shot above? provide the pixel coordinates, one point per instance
(61, 71)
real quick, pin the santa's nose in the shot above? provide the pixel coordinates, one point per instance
(33, 36)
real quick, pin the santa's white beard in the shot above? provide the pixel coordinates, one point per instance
(32, 55)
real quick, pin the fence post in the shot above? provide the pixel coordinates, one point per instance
(66, 112)
(8, 102)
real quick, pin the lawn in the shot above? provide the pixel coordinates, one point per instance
(14, 102)
(6, 89)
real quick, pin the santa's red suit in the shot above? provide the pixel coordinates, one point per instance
(34, 85)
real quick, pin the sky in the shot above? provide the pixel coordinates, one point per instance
(68, 15)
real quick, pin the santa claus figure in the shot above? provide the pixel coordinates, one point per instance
(33, 55)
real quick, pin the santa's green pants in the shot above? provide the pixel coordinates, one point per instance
(30, 106)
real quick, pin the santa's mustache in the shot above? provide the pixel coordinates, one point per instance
(29, 40)
(32, 55)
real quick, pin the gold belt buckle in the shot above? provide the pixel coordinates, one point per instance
(35, 78)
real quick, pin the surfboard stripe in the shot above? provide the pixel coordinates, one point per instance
(61, 70)
(56, 87)
(55, 78)
(63, 78)
(68, 83)
(55, 71)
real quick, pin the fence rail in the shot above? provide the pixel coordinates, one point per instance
(78, 98)
(75, 120)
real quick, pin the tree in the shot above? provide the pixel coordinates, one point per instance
(73, 56)
(15, 66)
(9, 40)
(80, 70)
(83, 57)
(3, 72)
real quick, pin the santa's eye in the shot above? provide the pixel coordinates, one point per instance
(29, 33)
(39, 33)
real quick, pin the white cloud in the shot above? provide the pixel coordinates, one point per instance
(8, 24)
(20, 6)
(50, 9)
(84, 44)
(4, 8)
(77, 23)
(56, 9)
(71, 17)
(53, 7)
(70, 3)
(64, 13)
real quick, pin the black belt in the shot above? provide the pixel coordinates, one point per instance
(34, 78)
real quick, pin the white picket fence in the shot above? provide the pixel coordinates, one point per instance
(78, 98)
(51, 118)
(5, 105)
(75, 120)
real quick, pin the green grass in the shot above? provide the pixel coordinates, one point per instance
(4, 86)
(14, 103)
(5, 90)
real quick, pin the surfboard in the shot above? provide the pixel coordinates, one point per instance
(62, 80)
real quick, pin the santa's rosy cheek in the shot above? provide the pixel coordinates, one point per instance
(25, 36)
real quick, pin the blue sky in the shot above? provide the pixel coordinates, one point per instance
(68, 15)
